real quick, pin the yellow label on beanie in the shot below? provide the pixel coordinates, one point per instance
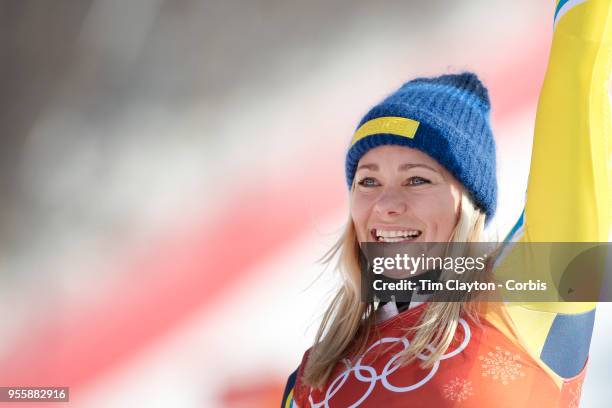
(394, 125)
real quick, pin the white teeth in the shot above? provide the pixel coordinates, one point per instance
(396, 235)
(392, 239)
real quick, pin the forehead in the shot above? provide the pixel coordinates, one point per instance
(394, 154)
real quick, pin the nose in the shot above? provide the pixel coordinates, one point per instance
(391, 203)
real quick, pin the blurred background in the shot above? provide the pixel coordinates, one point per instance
(171, 171)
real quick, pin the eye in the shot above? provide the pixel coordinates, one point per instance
(417, 181)
(368, 182)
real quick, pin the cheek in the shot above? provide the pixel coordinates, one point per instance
(361, 209)
(440, 214)
(449, 214)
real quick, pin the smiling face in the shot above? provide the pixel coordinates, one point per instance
(402, 194)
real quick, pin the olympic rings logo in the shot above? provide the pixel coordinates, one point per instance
(368, 374)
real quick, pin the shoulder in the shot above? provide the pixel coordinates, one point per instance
(294, 384)
(287, 400)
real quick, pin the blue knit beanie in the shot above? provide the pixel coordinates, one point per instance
(446, 117)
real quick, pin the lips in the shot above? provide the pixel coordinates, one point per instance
(395, 234)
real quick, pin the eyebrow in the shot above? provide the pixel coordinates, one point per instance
(403, 167)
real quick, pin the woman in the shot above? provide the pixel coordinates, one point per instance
(421, 167)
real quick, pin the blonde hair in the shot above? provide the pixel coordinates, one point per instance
(348, 320)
